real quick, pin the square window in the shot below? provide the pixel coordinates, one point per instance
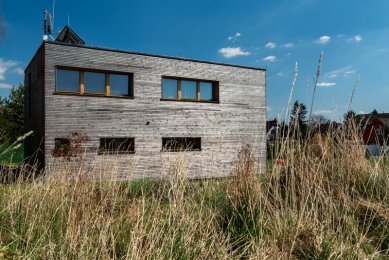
(61, 147)
(119, 84)
(115, 145)
(67, 80)
(94, 82)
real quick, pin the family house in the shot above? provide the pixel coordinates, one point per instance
(136, 110)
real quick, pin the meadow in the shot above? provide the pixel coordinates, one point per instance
(324, 199)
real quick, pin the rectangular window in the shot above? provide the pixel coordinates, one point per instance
(115, 145)
(170, 88)
(206, 91)
(190, 90)
(61, 147)
(119, 85)
(181, 144)
(94, 82)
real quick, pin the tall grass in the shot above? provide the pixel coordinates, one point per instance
(327, 200)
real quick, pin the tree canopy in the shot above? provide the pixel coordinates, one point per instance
(12, 115)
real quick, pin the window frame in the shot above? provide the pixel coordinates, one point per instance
(215, 90)
(65, 149)
(107, 74)
(197, 140)
(117, 152)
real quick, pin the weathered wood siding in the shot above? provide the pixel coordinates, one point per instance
(34, 109)
(238, 119)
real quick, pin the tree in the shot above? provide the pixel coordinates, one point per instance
(298, 117)
(348, 117)
(12, 114)
(374, 112)
(319, 120)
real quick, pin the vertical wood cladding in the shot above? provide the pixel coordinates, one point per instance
(34, 108)
(238, 119)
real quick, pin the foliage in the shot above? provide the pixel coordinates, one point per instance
(298, 120)
(12, 115)
(10, 154)
(349, 117)
(319, 119)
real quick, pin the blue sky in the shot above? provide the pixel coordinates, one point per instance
(353, 34)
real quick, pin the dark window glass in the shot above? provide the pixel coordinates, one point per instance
(181, 144)
(61, 147)
(188, 89)
(117, 145)
(206, 91)
(169, 88)
(68, 80)
(94, 82)
(119, 84)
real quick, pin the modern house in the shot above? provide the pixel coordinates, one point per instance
(135, 111)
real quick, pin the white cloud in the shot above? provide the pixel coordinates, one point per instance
(230, 52)
(234, 37)
(5, 85)
(270, 45)
(270, 58)
(288, 45)
(358, 38)
(323, 40)
(326, 84)
(345, 71)
(4, 66)
(19, 71)
(281, 74)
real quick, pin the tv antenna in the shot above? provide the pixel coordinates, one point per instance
(48, 23)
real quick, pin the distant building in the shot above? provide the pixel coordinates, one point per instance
(137, 109)
(375, 127)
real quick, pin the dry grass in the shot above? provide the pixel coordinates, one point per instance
(327, 200)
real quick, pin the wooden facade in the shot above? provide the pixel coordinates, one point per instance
(237, 118)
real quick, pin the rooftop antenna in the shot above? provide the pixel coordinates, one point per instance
(53, 11)
(47, 25)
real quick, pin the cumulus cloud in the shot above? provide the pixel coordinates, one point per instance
(288, 45)
(326, 84)
(323, 40)
(234, 37)
(230, 52)
(270, 45)
(358, 38)
(270, 58)
(344, 71)
(5, 65)
(5, 86)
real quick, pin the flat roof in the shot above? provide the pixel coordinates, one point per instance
(153, 55)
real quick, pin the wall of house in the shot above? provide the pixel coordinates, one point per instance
(34, 109)
(239, 118)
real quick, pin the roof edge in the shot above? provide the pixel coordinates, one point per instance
(35, 54)
(153, 55)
